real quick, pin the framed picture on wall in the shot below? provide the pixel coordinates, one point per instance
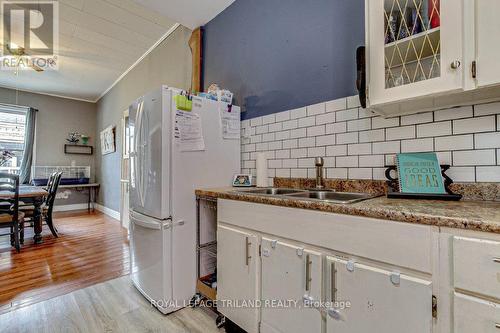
(108, 145)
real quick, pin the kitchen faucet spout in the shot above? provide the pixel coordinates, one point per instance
(318, 162)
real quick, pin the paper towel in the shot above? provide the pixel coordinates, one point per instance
(262, 170)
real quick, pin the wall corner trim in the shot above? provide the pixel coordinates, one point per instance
(151, 49)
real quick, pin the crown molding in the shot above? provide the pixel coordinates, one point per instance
(165, 36)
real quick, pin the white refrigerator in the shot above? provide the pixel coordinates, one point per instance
(167, 163)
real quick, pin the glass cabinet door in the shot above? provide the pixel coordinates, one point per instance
(414, 48)
(412, 31)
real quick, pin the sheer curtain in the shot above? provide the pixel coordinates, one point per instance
(29, 141)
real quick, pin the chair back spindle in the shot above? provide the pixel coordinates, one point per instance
(9, 206)
(10, 183)
(52, 191)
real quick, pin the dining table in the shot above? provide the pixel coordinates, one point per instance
(31, 195)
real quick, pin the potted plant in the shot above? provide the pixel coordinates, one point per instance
(73, 138)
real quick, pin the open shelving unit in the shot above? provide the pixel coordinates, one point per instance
(206, 254)
(206, 247)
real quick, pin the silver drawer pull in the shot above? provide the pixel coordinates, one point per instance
(497, 325)
(308, 272)
(333, 282)
(496, 260)
(247, 251)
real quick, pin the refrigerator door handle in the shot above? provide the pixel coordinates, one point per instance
(145, 153)
(179, 223)
(138, 163)
(148, 222)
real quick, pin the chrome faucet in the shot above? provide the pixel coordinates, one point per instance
(318, 162)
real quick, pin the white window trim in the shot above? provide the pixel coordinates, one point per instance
(20, 109)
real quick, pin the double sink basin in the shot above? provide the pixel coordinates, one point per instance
(328, 196)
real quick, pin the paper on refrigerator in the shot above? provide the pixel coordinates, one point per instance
(188, 131)
(230, 121)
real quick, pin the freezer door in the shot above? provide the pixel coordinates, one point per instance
(149, 157)
(212, 167)
(151, 257)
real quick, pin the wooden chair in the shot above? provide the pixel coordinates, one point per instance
(10, 216)
(50, 181)
(47, 207)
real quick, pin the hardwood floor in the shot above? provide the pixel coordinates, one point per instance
(112, 306)
(91, 248)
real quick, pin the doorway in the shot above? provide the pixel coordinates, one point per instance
(124, 178)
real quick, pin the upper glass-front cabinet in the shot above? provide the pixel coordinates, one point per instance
(412, 41)
(414, 48)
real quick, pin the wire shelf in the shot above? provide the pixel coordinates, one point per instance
(68, 171)
(209, 248)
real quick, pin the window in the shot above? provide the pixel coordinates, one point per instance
(12, 135)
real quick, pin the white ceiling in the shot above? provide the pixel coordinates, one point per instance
(189, 13)
(99, 40)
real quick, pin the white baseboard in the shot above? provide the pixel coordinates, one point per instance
(108, 211)
(65, 208)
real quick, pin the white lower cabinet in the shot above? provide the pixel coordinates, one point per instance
(380, 300)
(369, 275)
(290, 275)
(474, 315)
(237, 277)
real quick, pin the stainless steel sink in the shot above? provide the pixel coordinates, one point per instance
(270, 191)
(313, 195)
(336, 197)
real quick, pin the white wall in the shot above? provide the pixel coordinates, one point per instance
(358, 144)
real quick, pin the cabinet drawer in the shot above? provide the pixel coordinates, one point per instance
(477, 265)
(475, 315)
(400, 244)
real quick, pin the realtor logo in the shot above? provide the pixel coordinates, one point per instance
(29, 35)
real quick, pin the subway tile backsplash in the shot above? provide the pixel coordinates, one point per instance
(357, 144)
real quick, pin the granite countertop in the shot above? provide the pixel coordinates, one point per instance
(471, 215)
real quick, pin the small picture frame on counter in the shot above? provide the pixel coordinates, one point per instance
(242, 180)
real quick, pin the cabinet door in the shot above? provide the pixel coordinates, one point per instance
(476, 265)
(289, 273)
(488, 48)
(475, 315)
(414, 48)
(237, 280)
(380, 300)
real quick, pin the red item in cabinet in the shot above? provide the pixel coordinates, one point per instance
(434, 13)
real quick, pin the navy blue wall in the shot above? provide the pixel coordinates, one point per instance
(276, 55)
